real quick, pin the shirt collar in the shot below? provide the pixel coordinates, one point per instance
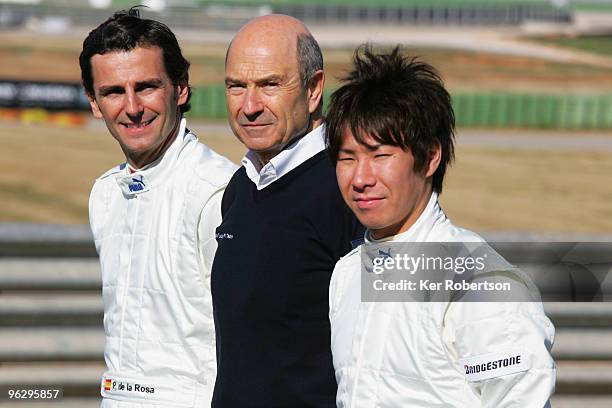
(285, 161)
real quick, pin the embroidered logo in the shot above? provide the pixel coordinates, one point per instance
(224, 235)
(118, 385)
(494, 365)
(385, 254)
(137, 184)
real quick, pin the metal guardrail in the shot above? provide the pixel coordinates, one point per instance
(46, 240)
(79, 235)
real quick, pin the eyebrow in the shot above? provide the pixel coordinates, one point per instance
(258, 81)
(370, 147)
(269, 78)
(105, 90)
(150, 82)
(232, 81)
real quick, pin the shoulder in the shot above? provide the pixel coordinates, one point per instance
(323, 167)
(350, 260)
(211, 167)
(446, 231)
(115, 170)
(321, 180)
(463, 235)
(106, 179)
(237, 181)
(102, 192)
(346, 270)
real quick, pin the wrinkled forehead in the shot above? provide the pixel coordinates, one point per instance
(280, 50)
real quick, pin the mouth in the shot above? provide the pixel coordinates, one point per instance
(255, 125)
(139, 125)
(366, 203)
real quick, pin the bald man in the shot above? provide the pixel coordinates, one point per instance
(284, 225)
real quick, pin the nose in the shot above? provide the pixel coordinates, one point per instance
(133, 106)
(253, 105)
(364, 175)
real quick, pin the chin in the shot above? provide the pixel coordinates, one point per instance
(371, 224)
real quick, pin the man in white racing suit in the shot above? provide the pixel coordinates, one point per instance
(390, 130)
(153, 219)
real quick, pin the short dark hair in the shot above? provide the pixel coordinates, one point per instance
(124, 31)
(398, 101)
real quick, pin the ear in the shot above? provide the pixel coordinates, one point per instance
(315, 90)
(182, 93)
(95, 109)
(433, 159)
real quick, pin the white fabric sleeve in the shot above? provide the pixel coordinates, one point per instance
(489, 337)
(210, 219)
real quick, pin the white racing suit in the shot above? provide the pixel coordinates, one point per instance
(154, 232)
(423, 354)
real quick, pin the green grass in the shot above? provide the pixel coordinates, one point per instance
(591, 5)
(596, 44)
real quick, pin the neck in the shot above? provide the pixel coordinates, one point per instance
(408, 221)
(266, 156)
(139, 161)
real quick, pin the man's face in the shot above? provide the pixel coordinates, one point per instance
(137, 100)
(266, 103)
(379, 184)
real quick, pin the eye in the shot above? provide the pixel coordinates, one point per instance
(345, 159)
(148, 86)
(111, 92)
(382, 155)
(234, 88)
(146, 89)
